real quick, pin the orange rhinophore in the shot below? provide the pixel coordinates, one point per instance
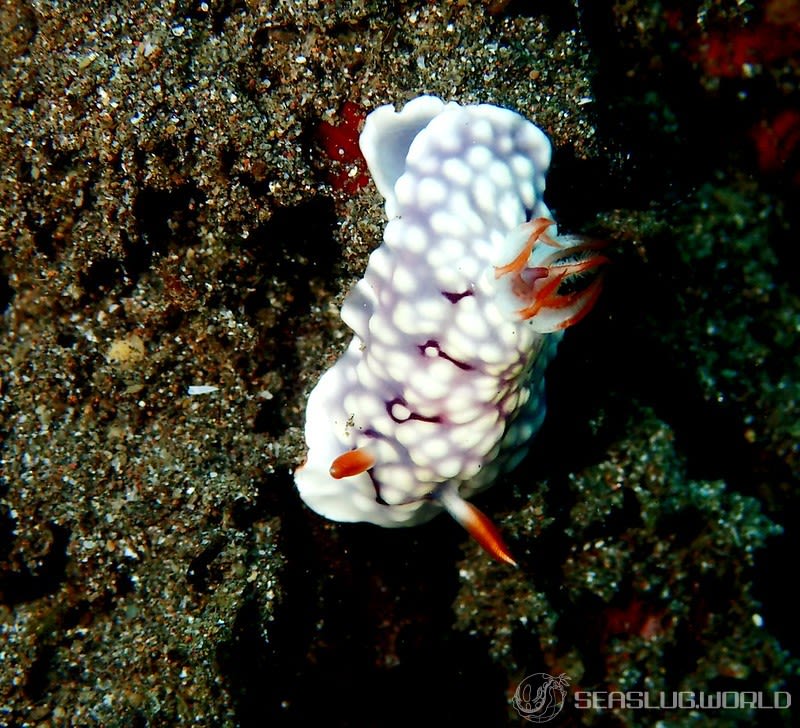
(352, 463)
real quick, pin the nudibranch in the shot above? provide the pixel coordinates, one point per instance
(459, 312)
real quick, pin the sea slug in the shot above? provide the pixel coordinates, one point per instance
(459, 312)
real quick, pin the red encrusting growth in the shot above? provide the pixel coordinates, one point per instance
(760, 49)
(352, 463)
(728, 53)
(340, 144)
(637, 617)
(777, 141)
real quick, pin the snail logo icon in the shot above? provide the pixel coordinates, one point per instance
(540, 697)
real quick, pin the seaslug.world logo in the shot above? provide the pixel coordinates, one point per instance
(540, 697)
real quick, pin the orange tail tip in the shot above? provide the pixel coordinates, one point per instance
(352, 463)
(478, 525)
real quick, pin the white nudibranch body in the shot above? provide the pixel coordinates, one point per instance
(459, 312)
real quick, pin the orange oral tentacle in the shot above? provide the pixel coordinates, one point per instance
(540, 224)
(518, 263)
(542, 296)
(558, 301)
(572, 269)
(547, 296)
(568, 310)
(352, 463)
(584, 304)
